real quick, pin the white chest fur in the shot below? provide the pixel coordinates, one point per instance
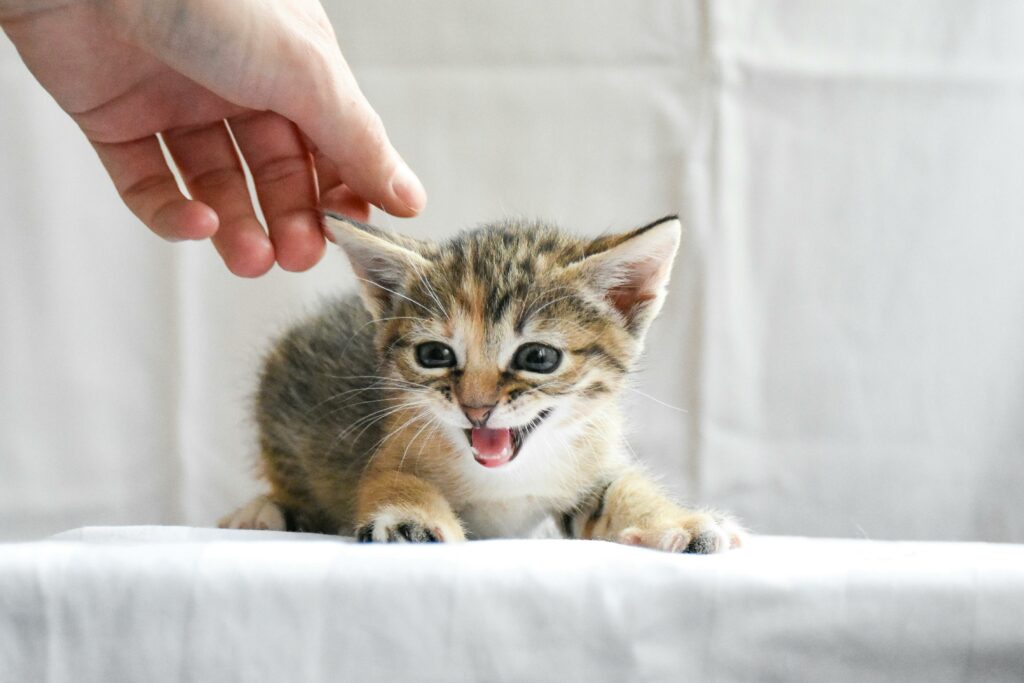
(513, 518)
(548, 476)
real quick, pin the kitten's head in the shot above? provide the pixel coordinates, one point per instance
(508, 328)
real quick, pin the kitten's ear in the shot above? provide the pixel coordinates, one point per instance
(631, 270)
(382, 260)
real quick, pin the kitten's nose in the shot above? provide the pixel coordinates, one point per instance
(478, 414)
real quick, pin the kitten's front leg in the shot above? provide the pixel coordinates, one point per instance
(633, 510)
(395, 507)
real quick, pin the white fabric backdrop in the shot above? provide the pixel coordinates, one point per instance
(845, 329)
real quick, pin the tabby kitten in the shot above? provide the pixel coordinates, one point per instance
(472, 393)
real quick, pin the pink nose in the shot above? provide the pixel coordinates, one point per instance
(478, 414)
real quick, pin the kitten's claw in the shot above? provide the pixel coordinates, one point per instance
(388, 527)
(258, 513)
(701, 534)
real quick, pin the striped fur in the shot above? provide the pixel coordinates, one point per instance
(358, 438)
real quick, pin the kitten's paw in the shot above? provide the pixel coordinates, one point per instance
(258, 513)
(700, 533)
(395, 526)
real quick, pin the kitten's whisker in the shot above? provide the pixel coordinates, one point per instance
(540, 388)
(552, 303)
(354, 335)
(389, 399)
(376, 448)
(376, 386)
(426, 424)
(404, 392)
(401, 337)
(625, 442)
(382, 413)
(389, 410)
(398, 294)
(419, 453)
(369, 387)
(433, 294)
(381, 384)
(658, 400)
(546, 384)
(397, 317)
(577, 325)
(537, 296)
(378, 377)
(369, 418)
(338, 440)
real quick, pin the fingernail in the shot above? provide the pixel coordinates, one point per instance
(408, 188)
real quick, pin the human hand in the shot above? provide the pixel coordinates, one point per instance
(127, 70)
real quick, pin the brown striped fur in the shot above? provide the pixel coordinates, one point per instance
(358, 438)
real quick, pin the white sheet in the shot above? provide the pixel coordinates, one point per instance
(178, 604)
(844, 329)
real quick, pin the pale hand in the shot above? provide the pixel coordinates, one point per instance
(126, 70)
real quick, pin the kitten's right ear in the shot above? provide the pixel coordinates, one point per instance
(631, 270)
(382, 260)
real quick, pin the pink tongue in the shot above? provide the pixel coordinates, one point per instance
(493, 446)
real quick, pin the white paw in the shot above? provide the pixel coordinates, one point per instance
(393, 526)
(258, 513)
(702, 534)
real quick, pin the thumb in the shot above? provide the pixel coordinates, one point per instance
(343, 126)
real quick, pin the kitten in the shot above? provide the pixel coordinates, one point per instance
(472, 393)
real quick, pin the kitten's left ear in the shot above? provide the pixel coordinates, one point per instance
(631, 270)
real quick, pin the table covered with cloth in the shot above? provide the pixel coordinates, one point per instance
(186, 604)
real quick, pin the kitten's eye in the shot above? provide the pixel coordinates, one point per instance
(435, 355)
(537, 358)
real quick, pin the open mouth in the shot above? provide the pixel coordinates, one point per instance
(497, 447)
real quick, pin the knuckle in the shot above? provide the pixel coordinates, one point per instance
(216, 177)
(280, 168)
(145, 185)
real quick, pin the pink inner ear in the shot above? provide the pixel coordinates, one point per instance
(625, 298)
(638, 287)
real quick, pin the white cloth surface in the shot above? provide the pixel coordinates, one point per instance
(180, 604)
(844, 328)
